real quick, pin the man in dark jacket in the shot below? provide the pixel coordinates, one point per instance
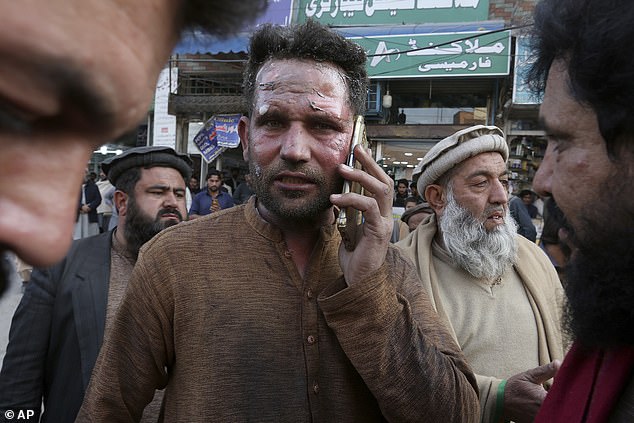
(59, 325)
(519, 212)
(90, 198)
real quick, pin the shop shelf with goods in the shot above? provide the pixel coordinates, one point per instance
(525, 156)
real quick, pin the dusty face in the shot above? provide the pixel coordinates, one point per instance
(299, 132)
(480, 185)
(73, 75)
(576, 166)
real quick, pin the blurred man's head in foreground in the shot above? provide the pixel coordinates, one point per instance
(71, 79)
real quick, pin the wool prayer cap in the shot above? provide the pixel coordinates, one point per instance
(419, 208)
(146, 157)
(457, 148)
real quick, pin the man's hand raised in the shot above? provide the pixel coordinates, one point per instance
(376, 205)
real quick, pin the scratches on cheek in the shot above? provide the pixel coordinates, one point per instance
(341, 143)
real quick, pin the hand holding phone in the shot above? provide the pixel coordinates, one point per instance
(365, 218)
(349, 220)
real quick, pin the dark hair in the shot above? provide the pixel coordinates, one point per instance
(214, 172)
(128, 180)
(525, 192)
(311, 41)
(403, 181)
(411, 199)
(222, 18)
(589, 35)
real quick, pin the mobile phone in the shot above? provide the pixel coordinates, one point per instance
(349, 220)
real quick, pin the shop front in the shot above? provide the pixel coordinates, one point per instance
(435, 67)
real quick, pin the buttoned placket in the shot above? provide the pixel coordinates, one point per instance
(309, 325)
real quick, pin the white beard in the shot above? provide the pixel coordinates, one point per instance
(485, 255)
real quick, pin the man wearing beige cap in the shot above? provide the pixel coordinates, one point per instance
(497, 291)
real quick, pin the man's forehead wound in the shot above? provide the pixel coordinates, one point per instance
(278, 72)
(284, 84)
(316, 98)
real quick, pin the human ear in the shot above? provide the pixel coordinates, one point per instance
(121, 202)
(435, 196)
(243, 132)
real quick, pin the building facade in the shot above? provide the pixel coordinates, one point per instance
(436, 66)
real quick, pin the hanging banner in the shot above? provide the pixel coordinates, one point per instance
(434, 55)
(227, 130)
(382, 12)
(207, 142)
(217, 134)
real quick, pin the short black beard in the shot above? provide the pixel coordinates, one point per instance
(599, 281)
(140, 228)
(262, 182)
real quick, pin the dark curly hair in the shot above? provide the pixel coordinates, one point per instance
(590, 36)
(308, 41)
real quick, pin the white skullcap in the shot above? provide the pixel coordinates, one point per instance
(457, 148)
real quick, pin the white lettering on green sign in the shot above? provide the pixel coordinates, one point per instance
(458, 54)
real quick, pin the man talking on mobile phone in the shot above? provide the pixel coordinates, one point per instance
(304, 330)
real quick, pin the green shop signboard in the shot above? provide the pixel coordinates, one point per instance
(438, 55)
(363, 12)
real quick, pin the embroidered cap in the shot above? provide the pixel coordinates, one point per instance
(455, 149)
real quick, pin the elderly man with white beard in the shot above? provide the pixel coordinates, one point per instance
(497, 291)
